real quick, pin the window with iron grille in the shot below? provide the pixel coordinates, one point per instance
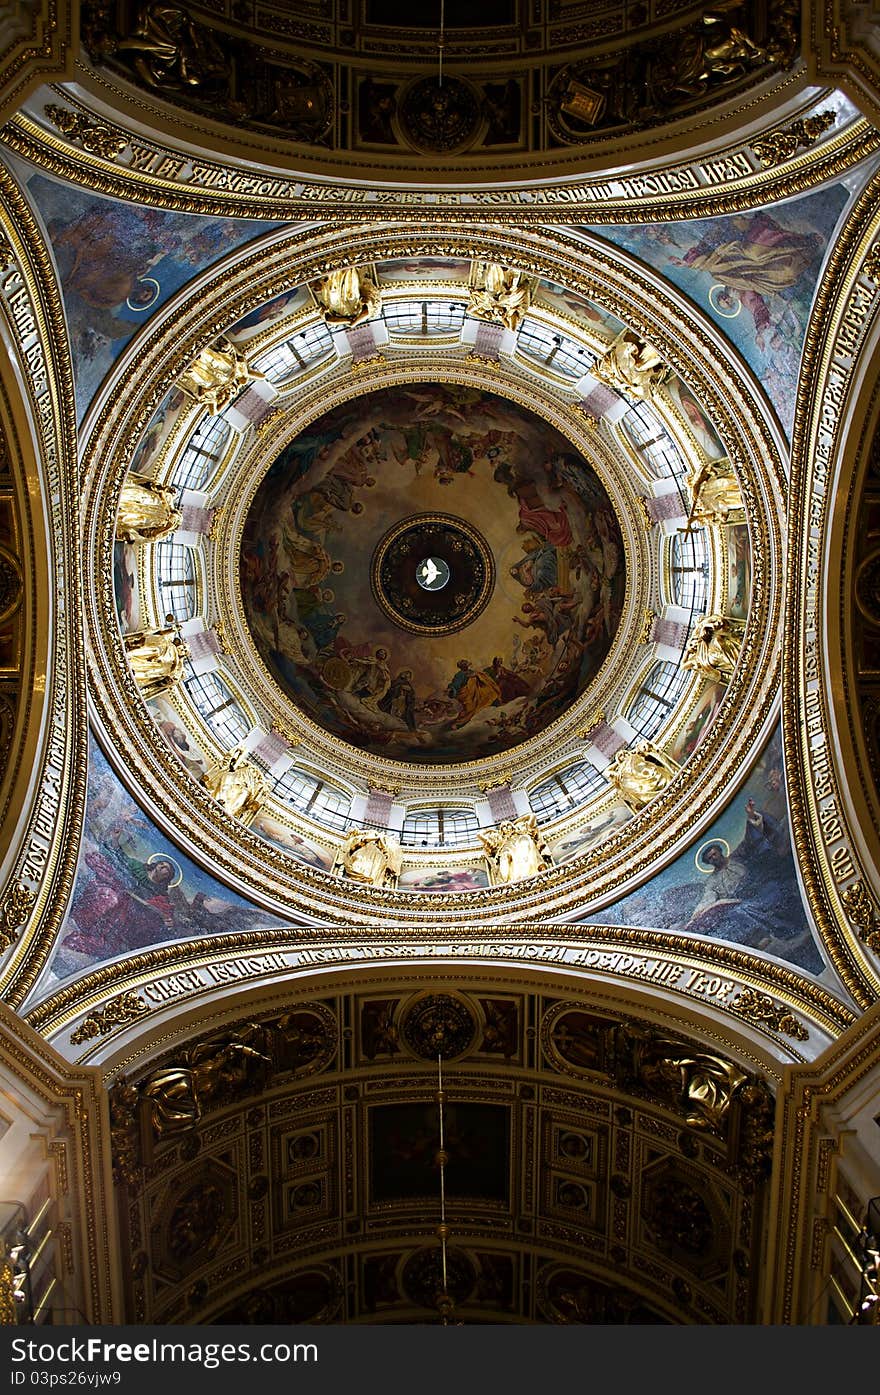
(555, 352)
(656, 697)
(439, 828)
(689, 570)
(653, 442)
(202, 454)
(568, 789)
(176, 579)
(423, 318)
(311, 795)
(218, 708)
(296, 354)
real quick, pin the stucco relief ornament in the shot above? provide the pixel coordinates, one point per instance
(237, 785)
(632, 365)
(217, 375)
(640, 774)
(147, 510)
(515, 850)
(348, 296)
(713, 648)
(777, 146)
(367, 855)
(157, 659)
(94, 137)
(500, 294)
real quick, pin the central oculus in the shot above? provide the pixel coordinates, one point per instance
(432, 574)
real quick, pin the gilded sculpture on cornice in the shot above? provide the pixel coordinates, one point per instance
(701, 1084)
(147, 510)
(640, 773)
(170, 51)
(348, 296)
(236, 784)
(715, 492)
(500, 294)
(713, 648)
(515, 850)
(172, 1101)
(216, 375)
(632, 365)
(687, 64)
(157, 659)
(366, 855)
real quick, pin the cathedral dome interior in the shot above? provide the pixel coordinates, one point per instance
(439, 520)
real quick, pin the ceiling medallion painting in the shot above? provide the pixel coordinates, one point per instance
(436, 673)
(432, 574)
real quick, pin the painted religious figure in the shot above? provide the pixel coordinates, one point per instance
(542, 516)
(147, 510)
(515, 850)
(713, 648)
(366, 855)
(157, 659)
(641, 773)
(236, 784)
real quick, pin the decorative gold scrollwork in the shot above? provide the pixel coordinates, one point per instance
(14, 911)
(764, 1012)
(114, 1013)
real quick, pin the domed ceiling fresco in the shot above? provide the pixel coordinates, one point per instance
(432, 572)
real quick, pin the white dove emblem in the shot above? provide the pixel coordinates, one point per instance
(430, 572)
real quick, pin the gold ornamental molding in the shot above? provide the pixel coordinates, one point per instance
(711, 977)
(41, 862)
(728, 178)
(40, 42)
(841, 50)
(80, 1149)
(814, 1105)
(306, 893)
(837, 360)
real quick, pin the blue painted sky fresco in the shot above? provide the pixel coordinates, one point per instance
(755, 274)
(134, 888)
(119, 263)
(737, 882)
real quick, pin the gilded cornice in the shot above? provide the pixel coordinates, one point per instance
(563, 892)
(48, 837)
(699, 976)
(40, 42)
(838, 55)
(846, 308)
(728, 179)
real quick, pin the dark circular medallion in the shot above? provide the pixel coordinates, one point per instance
(432, 574)
(440, 118)
(439, 1025)
(422, 1276)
